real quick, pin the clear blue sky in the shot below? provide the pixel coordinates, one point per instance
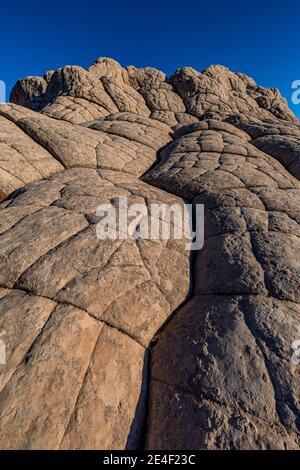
(258, 37)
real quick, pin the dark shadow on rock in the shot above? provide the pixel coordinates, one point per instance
(138, 431)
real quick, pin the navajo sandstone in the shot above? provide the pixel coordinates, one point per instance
(121, 343)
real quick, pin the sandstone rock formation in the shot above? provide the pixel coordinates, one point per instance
(139, 343)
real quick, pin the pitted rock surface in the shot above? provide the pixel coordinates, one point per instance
(139, 343)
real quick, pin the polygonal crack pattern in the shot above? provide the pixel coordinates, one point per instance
(80, 316)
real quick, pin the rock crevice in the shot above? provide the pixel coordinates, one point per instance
(90, 325)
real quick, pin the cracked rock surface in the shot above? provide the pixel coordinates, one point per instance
(139, 343)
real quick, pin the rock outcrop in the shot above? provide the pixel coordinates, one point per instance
(139, 343)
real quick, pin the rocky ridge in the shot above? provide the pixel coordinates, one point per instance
(132, 343)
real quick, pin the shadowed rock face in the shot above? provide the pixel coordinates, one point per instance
(126, 342)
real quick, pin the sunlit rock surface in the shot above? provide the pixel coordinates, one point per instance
(139, 343)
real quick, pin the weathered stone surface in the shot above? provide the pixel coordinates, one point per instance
(74, 110)
(22, 160)
(110, 391)
(219, 90)
(279, 139)
(57, 360)
(215, 155)
(159, 95)
(234, 385)
(101, 90)
(22, 318)
(238, 387)
(29, 92)
(124, 141)
(121, 287)
(80, 317)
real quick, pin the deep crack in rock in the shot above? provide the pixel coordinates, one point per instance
(136, 344)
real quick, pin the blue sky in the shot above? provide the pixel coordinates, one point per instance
(258, 37)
